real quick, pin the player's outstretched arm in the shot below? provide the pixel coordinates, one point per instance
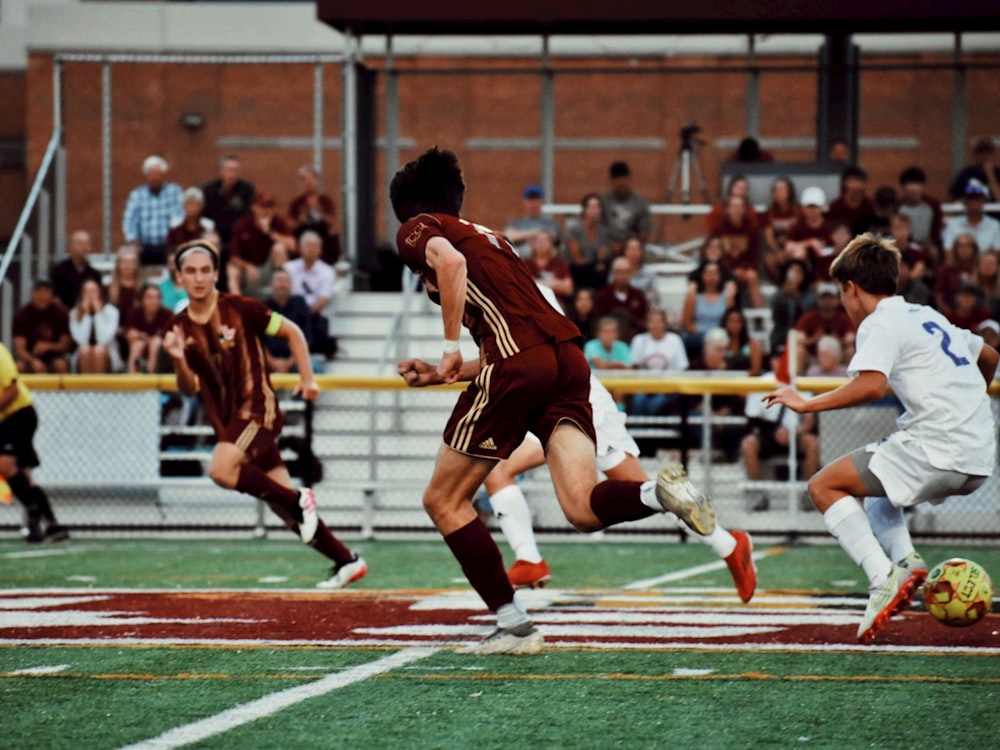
(867, 386)
(306, 386)
(418, 373)
(988, 359)
(173, 344)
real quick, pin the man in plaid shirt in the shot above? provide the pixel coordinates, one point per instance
(150, 210)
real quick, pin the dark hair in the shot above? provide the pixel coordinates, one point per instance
(870, 261)
(744, 332)
(733, 180)
(853, 171)
(748, 150)
(588, 198)
(699, 274)
(806, 280)
(913, 174)
(619, 169)
(432, 184)
(792, 197)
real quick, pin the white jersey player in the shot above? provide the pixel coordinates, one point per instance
(617, 457)
(946, 442)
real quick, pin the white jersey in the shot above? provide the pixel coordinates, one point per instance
(932, 367)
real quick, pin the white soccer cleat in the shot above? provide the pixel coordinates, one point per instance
(344, 575)
(522, 640)
(310, 521)
(677, 495)
(886, 600)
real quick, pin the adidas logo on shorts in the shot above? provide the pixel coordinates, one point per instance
(488, 444)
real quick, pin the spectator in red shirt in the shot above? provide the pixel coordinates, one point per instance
(622, 300)
(811, 233)
(193, 226)
(741, 237)
(314, 210)
(828, 319)
(958, 269)
(145, 328)
(966, 311)
(549, 268)
(41, 333)
(854, 205)
(261, 240)
(781, 215)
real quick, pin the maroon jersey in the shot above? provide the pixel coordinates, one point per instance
(504, 311)
(227, 355)
(155, 327)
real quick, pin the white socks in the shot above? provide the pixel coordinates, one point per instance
(720, 540)
(847, 521)
(647, 493)
(513, 614)
(511, 509)
(889, 526)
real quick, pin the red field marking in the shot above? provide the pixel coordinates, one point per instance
(392, 619)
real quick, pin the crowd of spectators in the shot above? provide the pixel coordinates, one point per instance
(79, 321)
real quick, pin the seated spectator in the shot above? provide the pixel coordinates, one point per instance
(839, 152)
(959, 266)
(781, 214)
(886, 200)
(658, 350)
(922, 263)
(172, 292)
(622, 300)
(41, 335)
(821, 259)
(704, 303)
(749, 152)
(910, 286)
(725, 437)
(767, 434)
(744, 352)
(523, 230)
(150, 211)
(68, 276)
(829, 360)
(608, 352)
(93, 324)
(582, 313)
(982, 168)
(642, 278)
(828, 319)
(314, 280)
(738, 185)
(548, 267)
(974, 221)
(714, 249)
(966, 312)
(853, 205)
(811, 233)
(144, 331)
(261, 241)
(192, 225)
(587, 245)
(316, 211)
(624, 212)
(741, 237)
(123, 291)
(925, 213)
(986, 278)
(291, 306)
(990, 331)
(227, 199)
(788, 303)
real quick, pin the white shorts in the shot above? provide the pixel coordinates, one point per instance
(907, 477)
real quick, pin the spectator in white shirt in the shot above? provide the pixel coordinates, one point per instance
(660, 350)
(315, 280)
(974, 221)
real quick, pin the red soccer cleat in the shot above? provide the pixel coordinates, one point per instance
(529, 575)
(742, 566)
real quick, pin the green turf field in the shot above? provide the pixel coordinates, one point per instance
(116, 680)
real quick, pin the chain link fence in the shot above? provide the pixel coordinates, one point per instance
(123, 454)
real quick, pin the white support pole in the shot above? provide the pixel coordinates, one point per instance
(349, 147)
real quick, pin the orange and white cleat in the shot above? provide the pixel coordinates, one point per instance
(742, 567)
(529, 575)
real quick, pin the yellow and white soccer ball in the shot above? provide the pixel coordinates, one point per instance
(958, 592)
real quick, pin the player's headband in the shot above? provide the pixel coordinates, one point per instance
(203, 246)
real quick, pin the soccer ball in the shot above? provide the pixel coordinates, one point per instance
(958, 592)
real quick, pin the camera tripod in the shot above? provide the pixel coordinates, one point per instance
(687, 159)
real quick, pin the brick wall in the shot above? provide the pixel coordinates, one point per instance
(449, 108)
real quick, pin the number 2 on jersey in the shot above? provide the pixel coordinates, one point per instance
(930, 326)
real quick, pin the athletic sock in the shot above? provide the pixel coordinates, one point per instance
(253, 481)
(330, 547)
(847, 521)
(616, 501)
(511, 509)
(720, 541)
(513, 614)
(890, 527)
(482, 563)
(33, 497)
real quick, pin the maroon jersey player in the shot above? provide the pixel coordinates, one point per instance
(530, 375)
(217, 348)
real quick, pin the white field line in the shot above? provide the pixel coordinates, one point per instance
(271, 704)
(680, 575)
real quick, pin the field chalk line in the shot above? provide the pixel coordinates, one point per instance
(271, 704)
(696, 570)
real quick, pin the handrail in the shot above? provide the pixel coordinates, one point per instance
(29, 205)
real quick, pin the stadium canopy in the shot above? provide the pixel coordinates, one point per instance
(381, 17)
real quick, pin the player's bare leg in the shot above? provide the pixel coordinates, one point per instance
(448, 502)
(834, 491)
(511, 509)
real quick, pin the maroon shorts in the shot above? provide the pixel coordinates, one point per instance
(259, 443)
(531, 391)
